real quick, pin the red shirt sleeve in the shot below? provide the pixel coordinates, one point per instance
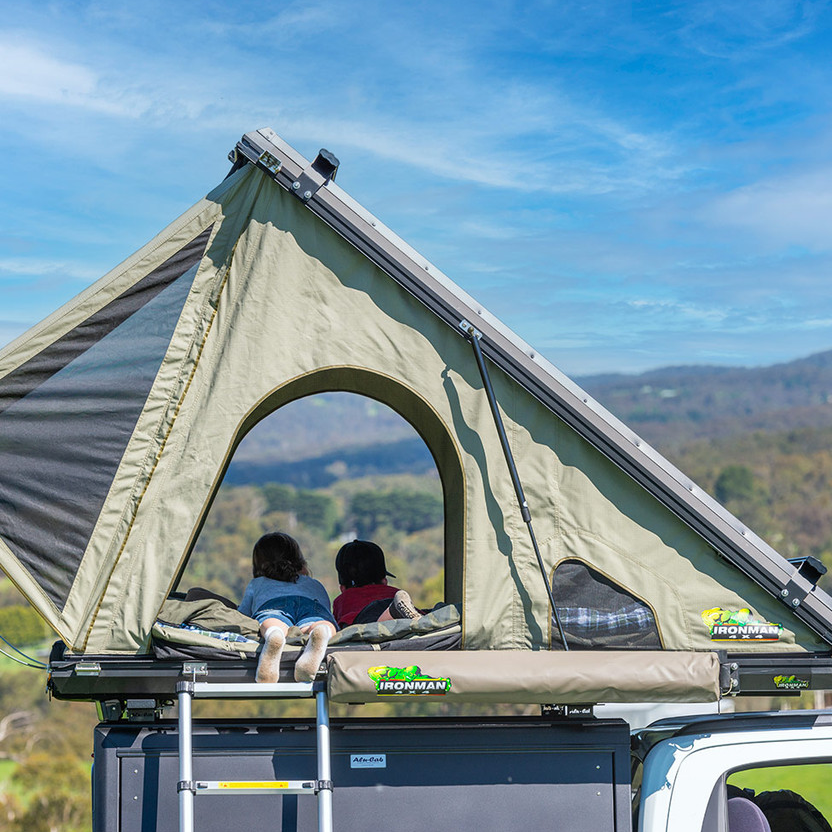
(351, 601)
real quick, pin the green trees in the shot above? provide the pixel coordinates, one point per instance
(399, 509)
(46, 752)
(735, 482)
(22, 626)
(55, 792)
(777, 483)
(311, 508)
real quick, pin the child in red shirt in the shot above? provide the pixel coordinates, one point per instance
(365, 594)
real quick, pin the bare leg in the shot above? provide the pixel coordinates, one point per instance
(386, 616)
(306, 667)
(274, 632)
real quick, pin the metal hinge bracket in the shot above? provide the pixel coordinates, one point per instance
(321, 171)
(194, 669)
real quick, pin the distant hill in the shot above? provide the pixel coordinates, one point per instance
(404, 456)
(318, 425)
(672, 406)
(315, 441)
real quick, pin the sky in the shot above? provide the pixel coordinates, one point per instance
(625, 185)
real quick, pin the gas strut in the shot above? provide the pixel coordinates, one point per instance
(473, 335)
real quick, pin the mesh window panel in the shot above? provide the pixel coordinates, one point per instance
(597, 613)
(67, 414)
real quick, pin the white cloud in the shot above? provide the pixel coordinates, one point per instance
(785, 211)
(690, 312)
(493, 124)
(34, 77)
(33, 267)
(475, 149)
(727, 29)
(29, 72)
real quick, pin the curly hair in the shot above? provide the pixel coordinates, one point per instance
(277, 556)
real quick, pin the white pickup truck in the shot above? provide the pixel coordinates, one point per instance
(684, 771)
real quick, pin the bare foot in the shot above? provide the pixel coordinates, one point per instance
(268, 668)
(306, 667)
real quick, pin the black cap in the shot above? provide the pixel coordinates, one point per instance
(361, 562)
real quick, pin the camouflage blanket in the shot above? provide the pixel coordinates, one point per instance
(440, 618)
(208, 623)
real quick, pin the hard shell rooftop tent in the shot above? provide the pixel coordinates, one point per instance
(120, 412)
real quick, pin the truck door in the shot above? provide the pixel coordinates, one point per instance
(688, 779)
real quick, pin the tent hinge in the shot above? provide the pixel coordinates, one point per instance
(245, 152)
(194, 669)
(321, 171)
(810, 570)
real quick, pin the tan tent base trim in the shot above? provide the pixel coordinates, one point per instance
(523, 677)
(489, 677)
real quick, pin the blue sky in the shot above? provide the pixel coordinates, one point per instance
(626, 185)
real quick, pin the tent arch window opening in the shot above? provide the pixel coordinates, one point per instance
(335, 481)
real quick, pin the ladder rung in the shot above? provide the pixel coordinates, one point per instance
(251, 690)
(254, 786)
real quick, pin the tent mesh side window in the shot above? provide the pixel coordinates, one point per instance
(597, 613)
(67, 414)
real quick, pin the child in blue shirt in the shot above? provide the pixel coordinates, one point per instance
(281, 595)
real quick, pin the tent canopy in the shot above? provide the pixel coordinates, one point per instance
(120, 412)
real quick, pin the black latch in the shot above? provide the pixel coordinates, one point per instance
(323, 785)
(326, 164)
(321, 171)
(810, 569)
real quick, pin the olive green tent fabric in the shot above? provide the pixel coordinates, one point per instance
(524, 677)
(280, 307)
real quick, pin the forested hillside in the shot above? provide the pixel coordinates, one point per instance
(675, 405)
(759, 440)
(779, 484)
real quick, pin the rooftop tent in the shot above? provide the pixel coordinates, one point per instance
(120, 412)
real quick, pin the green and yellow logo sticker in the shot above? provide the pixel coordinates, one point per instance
(739, 625)
(407, 681)
(790, 683)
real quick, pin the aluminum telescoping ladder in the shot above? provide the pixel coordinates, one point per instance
(188, 788)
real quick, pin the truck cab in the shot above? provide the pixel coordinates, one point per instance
(685, 772)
